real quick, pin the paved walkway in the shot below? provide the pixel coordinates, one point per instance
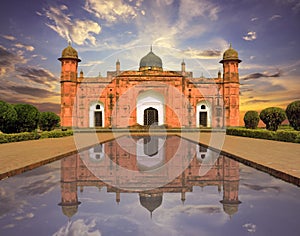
(277, 158)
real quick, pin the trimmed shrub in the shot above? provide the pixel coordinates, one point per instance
(280, 135)
(286, 136)
(28, 117)
(8, 117)
(48, 121)
(251, 119)
(272, 117)
(293, 114)
(8, 138)
(56, 134)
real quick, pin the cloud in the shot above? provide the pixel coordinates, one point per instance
(34, 92)
(8, 60)
(27, 47)
(251, 35)
(9, 37)
(251, 228)
(260, 75)
(203, 54)
(262, 188)
(37, 75)
(75, 30)
(79, 227)
(275, 17)
(256, 101)
(110, 11)
(296, 7)
(166, 24)
(190, 9)
(254, 19)
(38, 187)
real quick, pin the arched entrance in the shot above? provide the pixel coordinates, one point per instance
(150, 108)
(96, 115)
(150, 116)
(203, 115)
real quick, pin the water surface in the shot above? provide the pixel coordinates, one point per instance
(109, 190)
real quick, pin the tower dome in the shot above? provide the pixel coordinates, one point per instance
(69, 211)
(69, 53)
(231, 55)
(151, 61)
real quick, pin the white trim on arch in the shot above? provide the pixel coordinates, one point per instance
(96, 106)
(150, 99)
(203, 106)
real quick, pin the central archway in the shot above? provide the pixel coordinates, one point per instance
(150, 116)
(150, 108)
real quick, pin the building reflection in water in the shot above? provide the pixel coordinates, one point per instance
(146, 154)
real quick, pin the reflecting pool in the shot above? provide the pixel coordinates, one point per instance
(148, 186)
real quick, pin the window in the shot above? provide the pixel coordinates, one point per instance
(97, 107)
(203, 107)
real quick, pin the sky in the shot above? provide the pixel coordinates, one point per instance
(265, 33)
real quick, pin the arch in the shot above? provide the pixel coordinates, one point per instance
(96, 115)
(150, 101)
(203, 114)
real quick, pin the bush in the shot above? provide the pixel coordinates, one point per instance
(56, 134)
(28, 118)
(8, 138)
(286, 136)
(8, 117)
(280, 135)
(48, 121)
(251, 119)
(293, 114)
(272, 117)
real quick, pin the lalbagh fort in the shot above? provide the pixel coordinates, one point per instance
(149, 96)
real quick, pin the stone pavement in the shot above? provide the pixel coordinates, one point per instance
(280, 159)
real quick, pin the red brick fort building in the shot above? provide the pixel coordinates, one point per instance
(149, 95)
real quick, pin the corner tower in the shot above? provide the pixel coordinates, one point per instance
(231, 87)
(68, 79)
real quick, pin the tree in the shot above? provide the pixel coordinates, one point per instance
(8, 117)
(28, 117)
(251, 119)
(48, 121)
(272, 117)
(293, 114)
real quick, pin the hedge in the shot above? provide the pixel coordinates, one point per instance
(9, 138)
(56, 134)
(280, 135)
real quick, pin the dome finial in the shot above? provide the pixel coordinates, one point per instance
(230, 46)
(151, 48)
(69, 42)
